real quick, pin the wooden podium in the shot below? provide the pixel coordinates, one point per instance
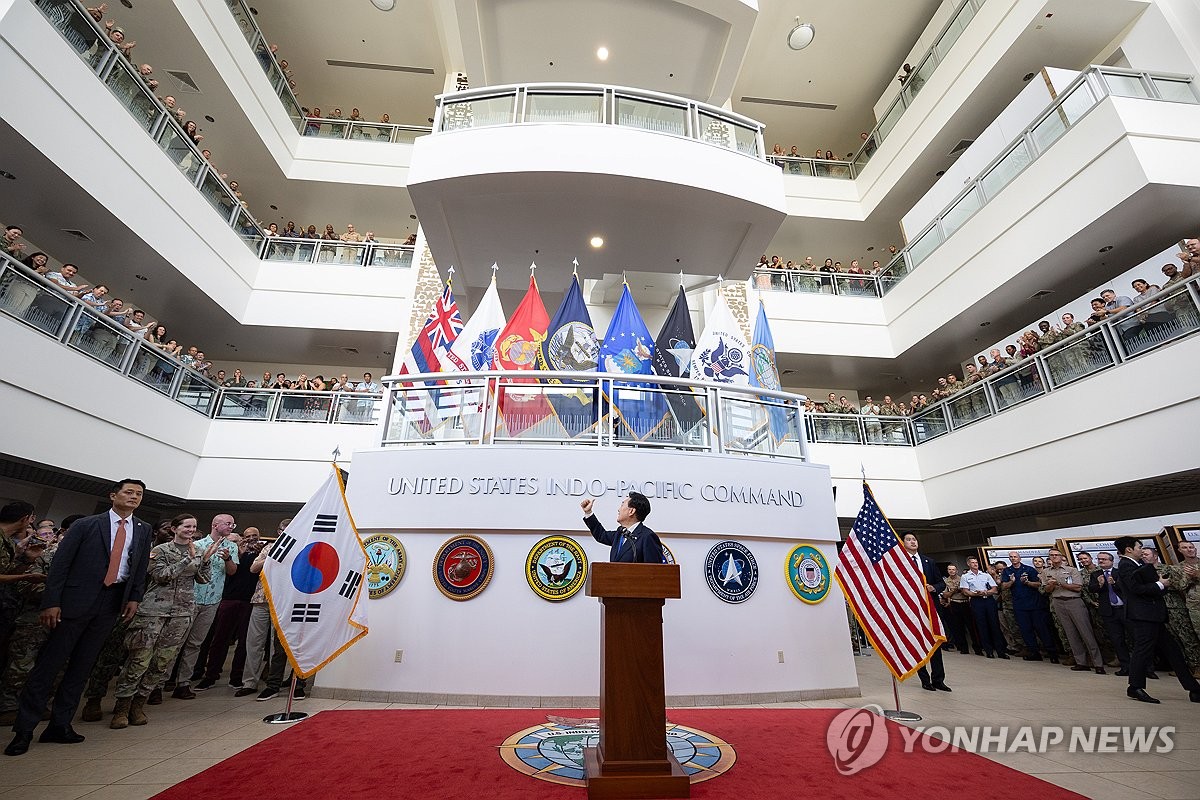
(632, 760)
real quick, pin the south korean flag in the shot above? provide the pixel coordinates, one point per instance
(313, 578)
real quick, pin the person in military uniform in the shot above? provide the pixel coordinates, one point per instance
(1086, 568)
(1048, 336)
(28, 634)
(955, 610)
(1064, 585)
(1189, 569)
(1179, 623)
(163, 618)
(1008, 617)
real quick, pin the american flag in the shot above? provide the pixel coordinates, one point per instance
(886, 591)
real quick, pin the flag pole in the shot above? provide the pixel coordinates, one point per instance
(288, 716)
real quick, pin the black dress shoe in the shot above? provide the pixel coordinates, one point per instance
(64, 735)
(928, 687)
(1032, 658)
(1152, 675)
(1123, 672)
(1054, 660)
(1140, 695)
(942, 687)
(1003, 655)
(1101, 671)
(1194, 697)
(1079, 668)
(19, 746)
(991, 655)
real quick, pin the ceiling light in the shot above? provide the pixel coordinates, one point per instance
(597, 241)
(802, 35)
(384, 5)
(6, 174)
(602, 53)
(141, 277)
(1106, 248)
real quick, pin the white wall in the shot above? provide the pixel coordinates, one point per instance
(913, 58)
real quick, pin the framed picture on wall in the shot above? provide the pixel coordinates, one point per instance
(1183, 533)
(1028, 553)
(1094, 545)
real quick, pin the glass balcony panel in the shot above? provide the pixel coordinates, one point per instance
(244, 21)
(898, 267)
(746, 140)
(1157, 323)
(327, 252)
(1006, 169)
(916, 81)
(1080, 357)
(1176, 91)
(154, 368)
(836, 429)
(929, 425)
(478, 113)
(752, 425)
(294, 250)
(888, 282)
(245, 404)
(1015, 387)
(1125, 85)
(33, 303)
(529, 413)
(399, 256)
(326, 129)
(248, 230)
(961, 211)
(967, 406)
(95, 336)
(564, 108)
(197, 392)
(796, 166)
(954, 29)
(650, 116)
(68, 18)
(855, 286)
(353, 409)
(294, 112)
(811, 283)
(366, 132)
(134, 95)
(772, 280)
(1068, 112)
(890, 119)
(728, 134)
(423, 414)
(180, 151)
(923, 246)
(892, 431)
(408, 135)
(304, 407)
(218, 195)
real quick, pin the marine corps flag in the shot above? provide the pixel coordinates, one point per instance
(313, 580)
(517, 348)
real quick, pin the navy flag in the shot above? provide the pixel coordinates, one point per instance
(570, 344)
(628, 349)
(672, 356)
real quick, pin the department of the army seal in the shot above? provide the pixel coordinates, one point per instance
(807, 573)
(554, 752)
(731, 571)
(556, 568)
(463, 567)
(386, 561)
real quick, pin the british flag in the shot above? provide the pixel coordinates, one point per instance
(424, 405)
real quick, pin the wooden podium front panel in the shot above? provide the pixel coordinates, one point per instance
(633, 716)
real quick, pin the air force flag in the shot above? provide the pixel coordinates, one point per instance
(313, 578)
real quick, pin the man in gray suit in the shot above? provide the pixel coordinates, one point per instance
(97, 575)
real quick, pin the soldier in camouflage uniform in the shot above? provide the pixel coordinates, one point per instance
(1189, 568)
(1086, 567)
(1179, 622)
(1048, 336)
(28, 633)
(1008, 617)
(163, 619)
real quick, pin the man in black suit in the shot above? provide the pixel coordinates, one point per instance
(631, 541)
(97, 575)
(935, 584)
(1146, 614)
(1103, 584)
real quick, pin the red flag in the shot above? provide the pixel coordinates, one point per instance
(517, 347)
(887, 592)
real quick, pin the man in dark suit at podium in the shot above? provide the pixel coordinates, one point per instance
(631, 541)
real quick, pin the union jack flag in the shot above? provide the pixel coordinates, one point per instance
(431, 348)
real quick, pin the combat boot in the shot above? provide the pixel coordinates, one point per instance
(120, 717)
(136, 710)
(155, 698)
(91, 710)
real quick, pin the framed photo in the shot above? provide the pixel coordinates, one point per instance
(1182, 533)
(1094, 545)
(1028, 553)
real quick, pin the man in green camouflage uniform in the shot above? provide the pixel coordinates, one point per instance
(1086, 567)
(1189, 568)
(1008, 617)
(28, 633)
(1048, 335)
(1179, 622)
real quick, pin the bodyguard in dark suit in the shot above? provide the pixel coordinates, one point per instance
(631, 541)
(1103, 584)
(97, 575)
(935, 584)
(1146, 614)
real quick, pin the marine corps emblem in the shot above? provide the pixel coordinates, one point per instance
(556, 568)
(731, 571)
(554, 752)
(463, 567)
(807, 573)
(386, 561)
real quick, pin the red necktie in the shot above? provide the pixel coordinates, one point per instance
(114, 558)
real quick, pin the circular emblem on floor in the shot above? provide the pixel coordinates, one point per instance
(807, 573)
(463, 567)
(556, 568)
(386, 561)
(731, 571)
(554, 752)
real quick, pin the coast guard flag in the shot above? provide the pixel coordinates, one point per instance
(475, 348)
(313, 580)
(517, 348)
(765, 374)
(628, 349)
(886, 591)
(570, 344)
(673, 356)
(722, 354)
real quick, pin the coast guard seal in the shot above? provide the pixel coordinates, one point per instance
(807, 573)
(556, 568)
(386, 561)
(463, 567)
(731, 571)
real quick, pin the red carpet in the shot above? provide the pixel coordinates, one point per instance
(453, 754)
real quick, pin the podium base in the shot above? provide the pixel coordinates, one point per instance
(633, 785)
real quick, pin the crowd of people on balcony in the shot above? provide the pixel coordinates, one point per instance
(769, 271)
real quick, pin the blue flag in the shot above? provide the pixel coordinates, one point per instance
(764, 374)
(570, 344)
(629, 349)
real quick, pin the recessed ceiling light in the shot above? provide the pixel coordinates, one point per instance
(802, 35)
(602, 53)
(869, 249)
(384, 5)
(1106, 248)
(596, 241)
(141, 277)
(274, 208)
(209, 118)
(984, 324)
(126, 3)
(9, 175)
(412, 216)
